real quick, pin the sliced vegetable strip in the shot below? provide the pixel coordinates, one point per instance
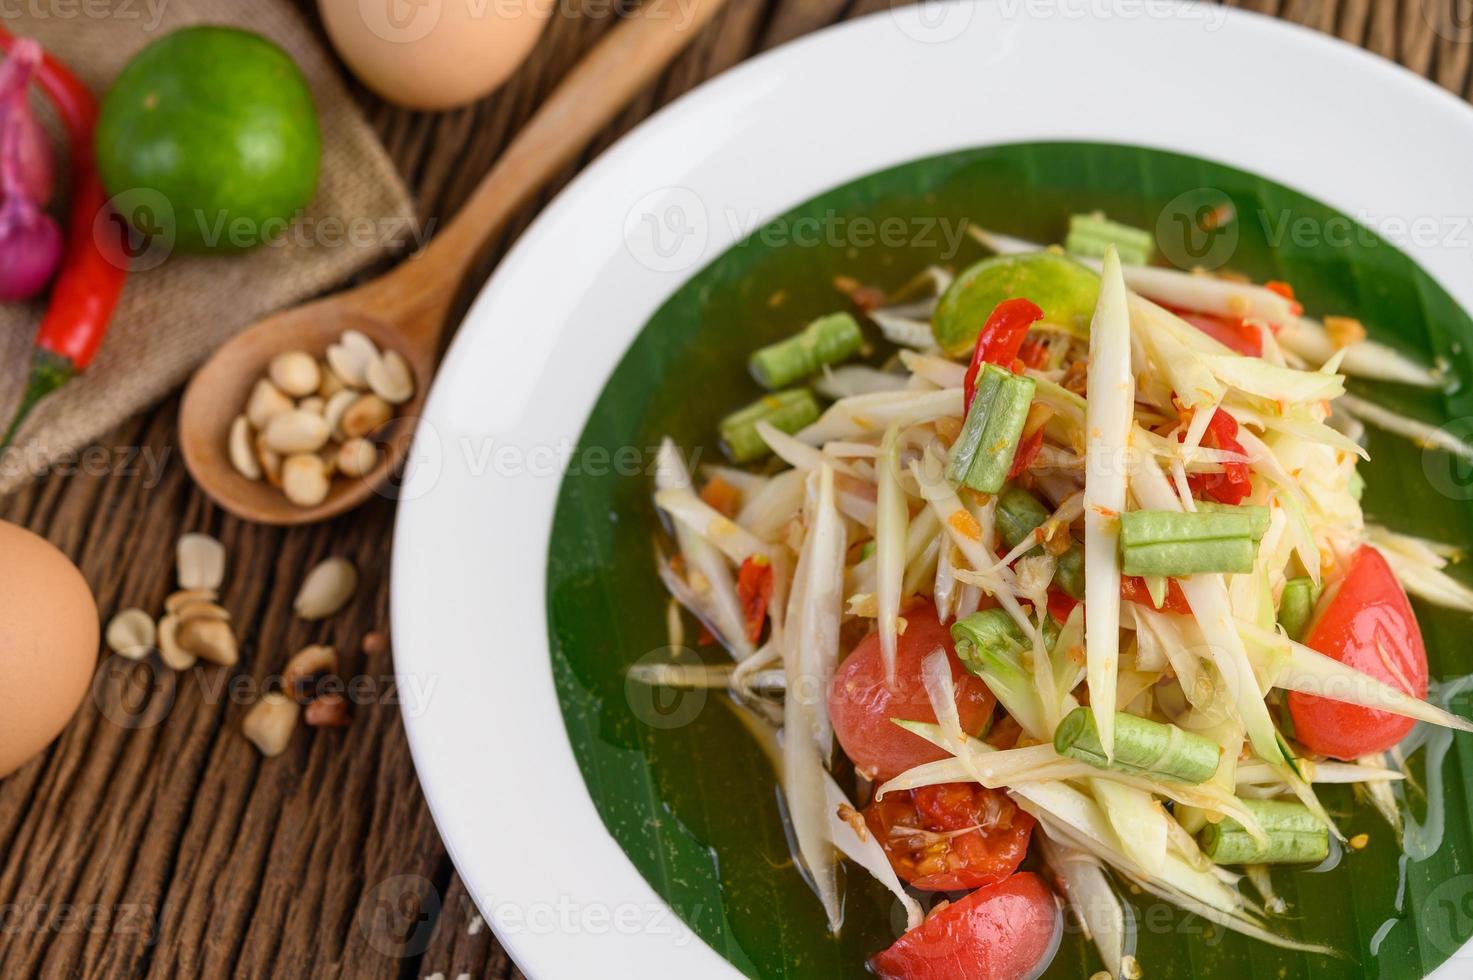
(1108, 419)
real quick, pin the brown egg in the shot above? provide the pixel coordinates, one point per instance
(48, 644)
(434, 54)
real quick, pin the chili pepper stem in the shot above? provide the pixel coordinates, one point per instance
(49, 371)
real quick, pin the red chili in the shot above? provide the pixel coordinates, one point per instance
(1133, 589)
(1060, 605)
(1234, 483)
(1001, 337)
(1028, 451)
(754, 589)
(95, 264)
(1287, 291)
(1033, 354)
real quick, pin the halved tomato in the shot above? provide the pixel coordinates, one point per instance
(952, 836)
(862, 702)
(1005, 931)
(1365, 622)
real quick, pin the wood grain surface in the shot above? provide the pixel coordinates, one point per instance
(152, 839)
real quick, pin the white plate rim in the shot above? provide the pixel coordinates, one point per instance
(471, 535)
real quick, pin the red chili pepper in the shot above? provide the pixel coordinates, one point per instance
(1287, 291)
(1033, 354)
(1027, 452)
(1234, 483)
(95, 264)
(1133, 589)
(1001, 337)
(1060, 605)
(754, 589)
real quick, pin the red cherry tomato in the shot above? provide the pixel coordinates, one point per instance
(1364, 621)
(862, 702)
(1002, 932)
(964, 835)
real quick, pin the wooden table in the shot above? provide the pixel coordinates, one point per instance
(164, 845)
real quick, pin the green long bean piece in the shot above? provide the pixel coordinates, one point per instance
(1296, 606)
(1295, 836)
(983, 454)
(1161, 542)
(1141, 746)
(1018, 515)
(827, 340)
(785, 410)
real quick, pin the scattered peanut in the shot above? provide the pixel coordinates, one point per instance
(365, 415)
(306, 406)
(266, 402)
(174, 656)
(270, 462)
(201, 609)
(374, 643)
(131, 634)
(296, 373)
(331, 384)
(336, 407)
(269, 723)
(209, 639)
(327, 589)
(242, 453)
(185, 597)
(304, 479)
(390, 378)
(296, 432)
(201, 562)
(328, 711)
(305, 665)
(357, 457)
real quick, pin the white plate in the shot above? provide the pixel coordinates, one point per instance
(470, 631)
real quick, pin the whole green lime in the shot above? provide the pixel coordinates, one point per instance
(209, 138)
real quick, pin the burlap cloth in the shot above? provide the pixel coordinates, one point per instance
(171, 317)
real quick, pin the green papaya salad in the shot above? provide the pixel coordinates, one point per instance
(1080, 570)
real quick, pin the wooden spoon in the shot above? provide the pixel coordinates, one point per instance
(406, 309)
